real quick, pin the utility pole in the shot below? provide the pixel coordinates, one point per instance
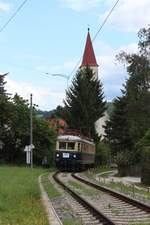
(31, 132)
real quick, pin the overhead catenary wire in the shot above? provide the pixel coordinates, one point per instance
(95, 36)
(13, 15)
(77, 64)
(40, 71)
(105, 20)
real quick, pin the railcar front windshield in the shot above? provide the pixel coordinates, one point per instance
(66, 145)
(71, 146)
(62, 145)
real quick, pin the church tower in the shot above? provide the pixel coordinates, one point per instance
(89, 58)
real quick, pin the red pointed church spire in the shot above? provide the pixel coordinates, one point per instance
(89, 58)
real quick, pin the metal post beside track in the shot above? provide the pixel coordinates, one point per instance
(31, 131)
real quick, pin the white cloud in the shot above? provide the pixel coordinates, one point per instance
(106, 57)
(66, 67)
(81, 5)
(5, 7)
(111, 73)
(130, 15)
(131, 48)
(44, 97)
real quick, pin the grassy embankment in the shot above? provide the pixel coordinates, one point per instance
(49, 188)
(20, 202)
(91, 173)
(133, 190)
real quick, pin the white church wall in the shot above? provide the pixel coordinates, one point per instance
(100, 130)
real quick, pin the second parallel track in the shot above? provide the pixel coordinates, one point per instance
(118, 207)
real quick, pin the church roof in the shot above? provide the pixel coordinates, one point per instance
(89, 58)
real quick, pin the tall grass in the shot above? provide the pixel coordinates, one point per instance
(20, 202)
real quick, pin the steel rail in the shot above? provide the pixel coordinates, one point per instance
(99, 215)
(113, 193)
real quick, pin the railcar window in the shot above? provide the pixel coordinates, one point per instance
(62, 145)
(71, 145)
(79, 146)
(83, 147)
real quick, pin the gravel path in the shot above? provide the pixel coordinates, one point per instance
(52, 216)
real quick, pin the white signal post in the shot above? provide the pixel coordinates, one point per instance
(28, 154)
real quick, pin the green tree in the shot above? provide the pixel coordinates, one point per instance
(130, 119)
(16, 133)
(44, 139)
(58, 112)
(4, 102)
(138, 96)
(143, 148)
(6, 112)
(84, 103)
(43, 136)
(103, 154)
(2, 84)
(117, 129)
(137, 87)
(144, 41)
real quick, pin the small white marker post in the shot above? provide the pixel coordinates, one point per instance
(28, 149)
(28, 154)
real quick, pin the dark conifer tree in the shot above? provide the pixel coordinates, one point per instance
(84, 102)
(4, 102)
(117, 129)
(143, 147)
(137, 87)
(2, 84)
(138, 96)
(131, 118)
(5, 114)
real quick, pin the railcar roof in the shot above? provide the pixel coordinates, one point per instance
(73, 138)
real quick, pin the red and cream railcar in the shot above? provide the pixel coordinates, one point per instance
(74, 152)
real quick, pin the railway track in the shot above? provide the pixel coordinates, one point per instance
(117, 207)
(89, 214)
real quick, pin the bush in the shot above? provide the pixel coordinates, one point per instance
(102, 154)
(124, 160)
(143, 147)
(145, 176)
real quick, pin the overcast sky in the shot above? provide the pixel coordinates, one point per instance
(49, 37)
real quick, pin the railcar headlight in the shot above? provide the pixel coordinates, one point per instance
(74, 156)
(57, 155)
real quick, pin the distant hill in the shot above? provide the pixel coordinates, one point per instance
(44, 114)
(110, 108)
